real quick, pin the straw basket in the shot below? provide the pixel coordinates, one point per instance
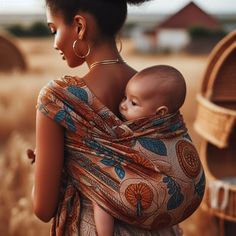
(216, 123)
(219, 165)
(213, 122)
(216, 116)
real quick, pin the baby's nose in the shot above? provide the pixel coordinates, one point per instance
(123, 106)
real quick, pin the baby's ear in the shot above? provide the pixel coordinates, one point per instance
(163, 110)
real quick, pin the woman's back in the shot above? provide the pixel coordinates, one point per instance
(108, 83)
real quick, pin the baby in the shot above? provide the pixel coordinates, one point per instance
(157, 90)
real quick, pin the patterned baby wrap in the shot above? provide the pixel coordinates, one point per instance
(144, 172)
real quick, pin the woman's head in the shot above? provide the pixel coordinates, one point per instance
(109, 14)
(92, 22)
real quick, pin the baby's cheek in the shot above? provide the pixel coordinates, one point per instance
(133, 116)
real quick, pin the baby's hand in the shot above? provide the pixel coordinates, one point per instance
(31, 155)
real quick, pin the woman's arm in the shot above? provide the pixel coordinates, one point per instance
(48, 166)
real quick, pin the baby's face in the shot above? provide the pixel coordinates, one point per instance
(137, 102)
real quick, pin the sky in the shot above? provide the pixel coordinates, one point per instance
(154, 6)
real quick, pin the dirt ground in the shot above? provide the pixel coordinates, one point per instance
(18, 94)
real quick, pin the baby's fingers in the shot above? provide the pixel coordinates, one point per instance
(31, 155)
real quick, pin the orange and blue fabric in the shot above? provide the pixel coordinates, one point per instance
(145, 172)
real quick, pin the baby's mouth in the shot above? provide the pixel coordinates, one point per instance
(62, 54)
(123, 117)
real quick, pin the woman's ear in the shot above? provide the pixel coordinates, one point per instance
(163, 110)
(80, 22)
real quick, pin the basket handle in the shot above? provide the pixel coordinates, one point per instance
(215, 187)
(216, 69)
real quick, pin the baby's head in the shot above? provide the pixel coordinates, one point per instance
(156, 90)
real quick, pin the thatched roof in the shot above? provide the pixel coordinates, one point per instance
(190, 15)
(11, 58)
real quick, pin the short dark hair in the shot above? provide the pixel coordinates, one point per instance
(109, 14)
(175, 97)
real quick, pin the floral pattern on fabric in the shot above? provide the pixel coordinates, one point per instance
(144, 172)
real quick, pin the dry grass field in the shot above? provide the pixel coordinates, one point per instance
(18, 95)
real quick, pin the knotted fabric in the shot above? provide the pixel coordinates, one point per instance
(145, 172)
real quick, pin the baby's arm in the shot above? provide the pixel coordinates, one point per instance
(103, 221)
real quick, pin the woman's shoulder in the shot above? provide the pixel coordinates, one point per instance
(66, 81)
(69, 80)
(62, 83)
(56, 93)
(64, 87)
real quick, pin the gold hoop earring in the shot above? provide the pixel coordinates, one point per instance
(80, 56)
(120, 42)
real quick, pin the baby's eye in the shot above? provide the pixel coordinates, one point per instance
(134, 103)
(52, 29)
(53, 32)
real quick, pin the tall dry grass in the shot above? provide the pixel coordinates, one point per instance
(18, 96)
(16, 181)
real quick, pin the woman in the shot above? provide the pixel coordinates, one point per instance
(84, 33)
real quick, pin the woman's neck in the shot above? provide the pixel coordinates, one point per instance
(106, 50)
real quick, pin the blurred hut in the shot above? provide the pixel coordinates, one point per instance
(11, 58)
(173, 35)
(144, 40)
(191, 28)
(216, 123)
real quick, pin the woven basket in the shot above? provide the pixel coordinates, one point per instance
(214, 122)
(220, 195)
(216, 114)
